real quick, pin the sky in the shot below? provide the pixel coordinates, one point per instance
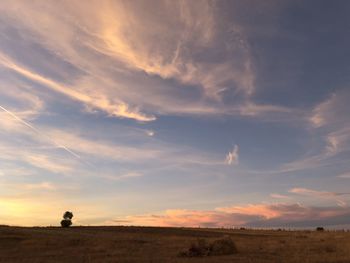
(175, 113)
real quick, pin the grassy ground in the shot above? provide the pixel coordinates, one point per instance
(145, 244)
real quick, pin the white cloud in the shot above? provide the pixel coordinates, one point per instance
(150, 133)
(128, 175)
(334, 111)
(344, 175)
(40, 186)
(46, 162)
(30, 105)
(330, 121)
(321, 194)
(232, 157)
(279, 196)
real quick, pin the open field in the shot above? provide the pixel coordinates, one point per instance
(146, 244)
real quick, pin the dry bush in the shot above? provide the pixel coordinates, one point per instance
(223, 246)
(330, 249)
(301, 236)
(198, 249)
(326, 248)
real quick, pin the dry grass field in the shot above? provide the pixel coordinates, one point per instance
(146, 244)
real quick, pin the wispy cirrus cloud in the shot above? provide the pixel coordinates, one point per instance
(332, 111)
(344, 175)
(89, 49)
(120, 109)
(40, 133)
(123, 176)
(279, 196)
(332, 118)
(44, 148)
(41, 186)
(321, 194)
(48, 160)
(333, 129)
(328, 127)
(28, 105)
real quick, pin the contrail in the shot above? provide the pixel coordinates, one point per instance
(40, 133)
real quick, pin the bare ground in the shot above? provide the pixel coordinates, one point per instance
(147, 244)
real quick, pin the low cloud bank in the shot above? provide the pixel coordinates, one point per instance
(261, 215)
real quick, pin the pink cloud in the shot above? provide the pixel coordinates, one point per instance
(190, 218)
(260, 215)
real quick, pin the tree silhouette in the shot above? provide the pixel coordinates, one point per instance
(67, 219)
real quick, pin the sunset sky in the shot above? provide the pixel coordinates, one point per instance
(175, 113)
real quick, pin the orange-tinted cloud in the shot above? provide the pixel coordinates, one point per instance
(126, 36)
(250, 215)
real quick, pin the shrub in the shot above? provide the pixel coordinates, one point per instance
(320, 229)
(330, 249)
(199, 249)
(223, 246)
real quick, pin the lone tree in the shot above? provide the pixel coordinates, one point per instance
(67, 219)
